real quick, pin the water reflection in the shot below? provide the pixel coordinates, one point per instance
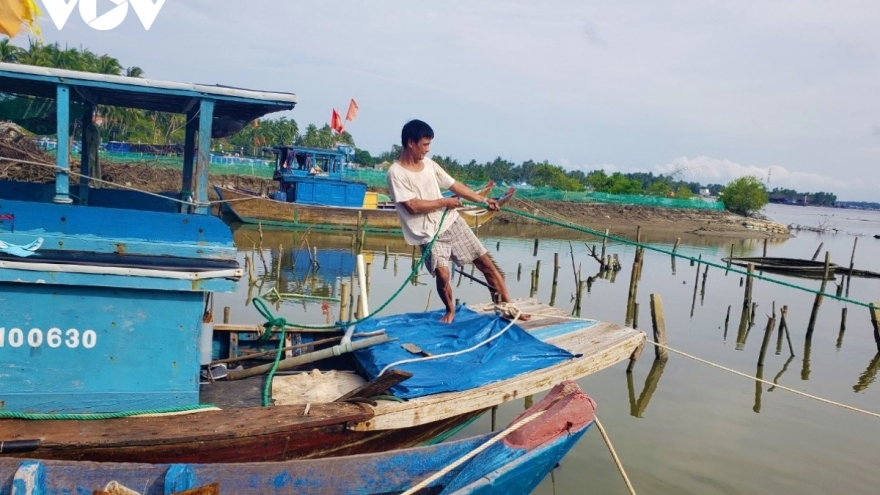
(638, 407)
(868, 377)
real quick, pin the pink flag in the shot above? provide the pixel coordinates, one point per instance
(352, 111)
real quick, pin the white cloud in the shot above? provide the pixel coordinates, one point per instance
(720, 171)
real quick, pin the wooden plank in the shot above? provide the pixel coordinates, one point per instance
(601, 345)
(378, 385)
(875, 321)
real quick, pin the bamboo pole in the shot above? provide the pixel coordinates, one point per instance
(635, 315)
(746, 309)
(729, 261)
(226, 312)
(703, 287)
(696, 284)
(765, 247)
(498, 246)
(311, 357)
(674, 249)
(818, 250)
(783, 322)
(659, 325)
(768, 331)
(604, 266)
(555, 279)
(842, 328)
(726, 322)
(343, 301)
(519, 272)
(385, 263)
(819, 297)
(852, 260)
(752, 314)
(535, 250)
(875, 321)
(532, 288)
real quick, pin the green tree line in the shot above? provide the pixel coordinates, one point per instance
(781, 195)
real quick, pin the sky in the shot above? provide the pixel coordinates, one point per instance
(786, 90)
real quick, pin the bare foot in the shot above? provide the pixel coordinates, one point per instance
(448, 317)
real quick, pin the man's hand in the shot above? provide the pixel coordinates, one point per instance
(452, 203)
(492, 204)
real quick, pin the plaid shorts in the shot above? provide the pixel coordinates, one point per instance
(458, 244)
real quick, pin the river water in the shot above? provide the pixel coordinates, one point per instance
(684, 427)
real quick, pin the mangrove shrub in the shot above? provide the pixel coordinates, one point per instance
(745, 195)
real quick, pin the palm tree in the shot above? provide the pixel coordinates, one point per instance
(9, 52)
(134, 71)
(108, 65)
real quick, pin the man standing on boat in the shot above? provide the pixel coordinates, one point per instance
(414, 181)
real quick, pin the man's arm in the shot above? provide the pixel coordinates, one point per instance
(419, 206)
(469, 194)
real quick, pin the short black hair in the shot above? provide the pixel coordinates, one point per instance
(415, 130)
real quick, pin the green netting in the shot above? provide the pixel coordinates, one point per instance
(176, 162)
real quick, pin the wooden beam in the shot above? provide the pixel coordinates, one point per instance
(62, 173)
(189, 150)
(377, 386)
(875, 321)
(86, 163)
(203, 163)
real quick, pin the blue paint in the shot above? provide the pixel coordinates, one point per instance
(115, 281)
(29, 479)
(143, 343)
(499, 469)
(179, 478)
(562, 329)
(189, 149)
(62, 175)
(94, 229)
(206, 119)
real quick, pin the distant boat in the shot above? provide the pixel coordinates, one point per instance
(314, 193)
(512, 465)
(787, 266)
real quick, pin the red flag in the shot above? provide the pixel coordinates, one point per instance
(352, 111)
(336, 122)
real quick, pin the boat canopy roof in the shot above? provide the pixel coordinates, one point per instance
(231, 104)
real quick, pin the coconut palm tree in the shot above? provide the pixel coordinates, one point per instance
(134, 71)
(9, 52)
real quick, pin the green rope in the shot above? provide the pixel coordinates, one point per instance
(274, 321)
(97, 416)
(622, 240)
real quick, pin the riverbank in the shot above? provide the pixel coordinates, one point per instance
(626, 219)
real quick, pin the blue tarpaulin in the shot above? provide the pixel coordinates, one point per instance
(514, 353)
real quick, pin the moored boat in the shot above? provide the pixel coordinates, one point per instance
(570, 349)
(313, 192)
(513, 462)
(786, 266)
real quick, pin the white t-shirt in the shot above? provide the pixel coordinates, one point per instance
(404, 185)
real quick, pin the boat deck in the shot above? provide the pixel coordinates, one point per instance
(597, 345)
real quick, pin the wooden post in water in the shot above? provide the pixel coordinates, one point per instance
(535, 251)
(726, 322)
(519, 272)
(703, 287)
(343, 301)
(765, 247)
(555, 279)
(529, 401)
(783, 323)
(532, 288)
(639, 234)
(633, 287)
(369, 269)
(752, 313)
(771, 322)
(537, 273)
(385, 263)
(278, 268)
(226, 311)
(729, 260)
(819, 297)
(852, 260)
(746, 310)
(603, 265)
(659, 324)
(875, 321)
(696, 284)
(842, 328)
(818, 250)
(636, 315)
(674, 249)
(357, 231)
(498, 246)
(395, 264)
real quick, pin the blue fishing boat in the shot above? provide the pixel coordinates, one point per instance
(314, 191)
(511, 462)
(103, 290)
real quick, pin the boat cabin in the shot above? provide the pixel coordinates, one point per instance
(104, 288)
(316, 176)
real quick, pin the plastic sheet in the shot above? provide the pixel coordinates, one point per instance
(514, 353)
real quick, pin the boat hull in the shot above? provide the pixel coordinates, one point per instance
(253, 209)
(515, 464)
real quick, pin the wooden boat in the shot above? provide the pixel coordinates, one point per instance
(787, 266)
(284, 432)
(514, 464)
(103, 300)
(252, 208)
